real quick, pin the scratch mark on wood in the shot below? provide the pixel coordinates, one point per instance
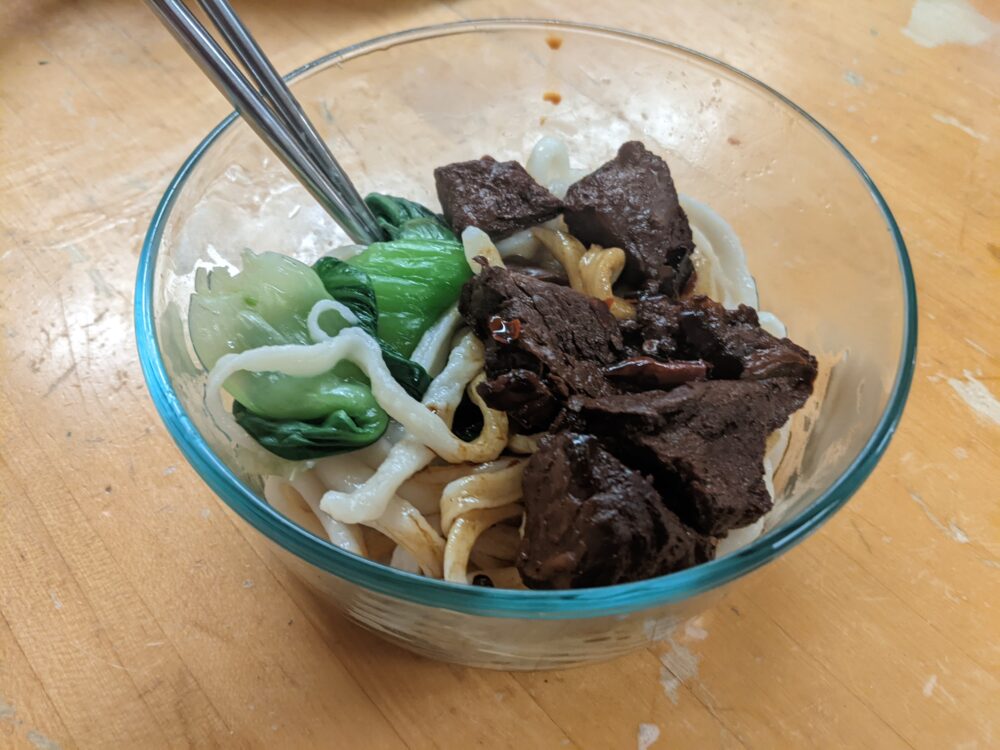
(9, 714)
(977, 397)
(852, 78)
(977, 347)
(694, 630)
(679, 660)
(951, 529)
(40, 741)
(646, 736)
(861, 536)
(930, 685)
(59, 381)
(956, 123)
(670, 684)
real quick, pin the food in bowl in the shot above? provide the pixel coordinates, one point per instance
(559, 382)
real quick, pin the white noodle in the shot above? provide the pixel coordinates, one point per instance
(770, 323)
(548, 163)
(478, 244)
(433, 349)
(310, 489)
(735, 282)
(400, 521)
(403, 560)
(324, 305)
(410, 454)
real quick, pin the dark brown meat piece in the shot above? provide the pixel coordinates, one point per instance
(591, 521)
(730, 341)
(630, 202)
(648, 374)
(553, 275)
(703, 443)
(544, 342)
(498, 197)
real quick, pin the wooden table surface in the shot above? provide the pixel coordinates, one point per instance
(137, 611)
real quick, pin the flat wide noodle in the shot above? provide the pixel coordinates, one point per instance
(600, 268)
(368, 501)
(281, 494)
(435, 345)
(400, 521)
(478, 244)
(591, 272)
(464, 532)
(524, 444)
(490, 489)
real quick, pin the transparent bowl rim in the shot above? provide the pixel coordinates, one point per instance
(474, 600)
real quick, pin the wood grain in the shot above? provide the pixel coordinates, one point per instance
(137, 611)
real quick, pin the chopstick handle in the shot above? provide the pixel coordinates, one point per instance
(283, 103)
(230, 81)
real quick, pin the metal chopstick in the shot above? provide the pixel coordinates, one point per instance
(282, 101)
(275, 117)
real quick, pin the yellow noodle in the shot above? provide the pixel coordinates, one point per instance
(524, 444)
(566, 249)
(477, 491)
(463, 534)
(600, 268)
(406, 526)
(592, 272)
(492, 439)
(477, 244)
(442, 474)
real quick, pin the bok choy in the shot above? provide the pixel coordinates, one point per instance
(268, 303)
(396, 289)
(416, 275)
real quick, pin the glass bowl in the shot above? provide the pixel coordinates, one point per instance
(824, 248)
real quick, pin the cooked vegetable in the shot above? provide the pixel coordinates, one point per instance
(396, 290)
(403, 219)
(298, 440)
(416, 275)
(351, 286)
(265, 304)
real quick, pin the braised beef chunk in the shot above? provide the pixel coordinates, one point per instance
(630, 202)
(544, 342)
(730, 341)
(498, 197)
(703, 443)
(657, 426)
(591, 521)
